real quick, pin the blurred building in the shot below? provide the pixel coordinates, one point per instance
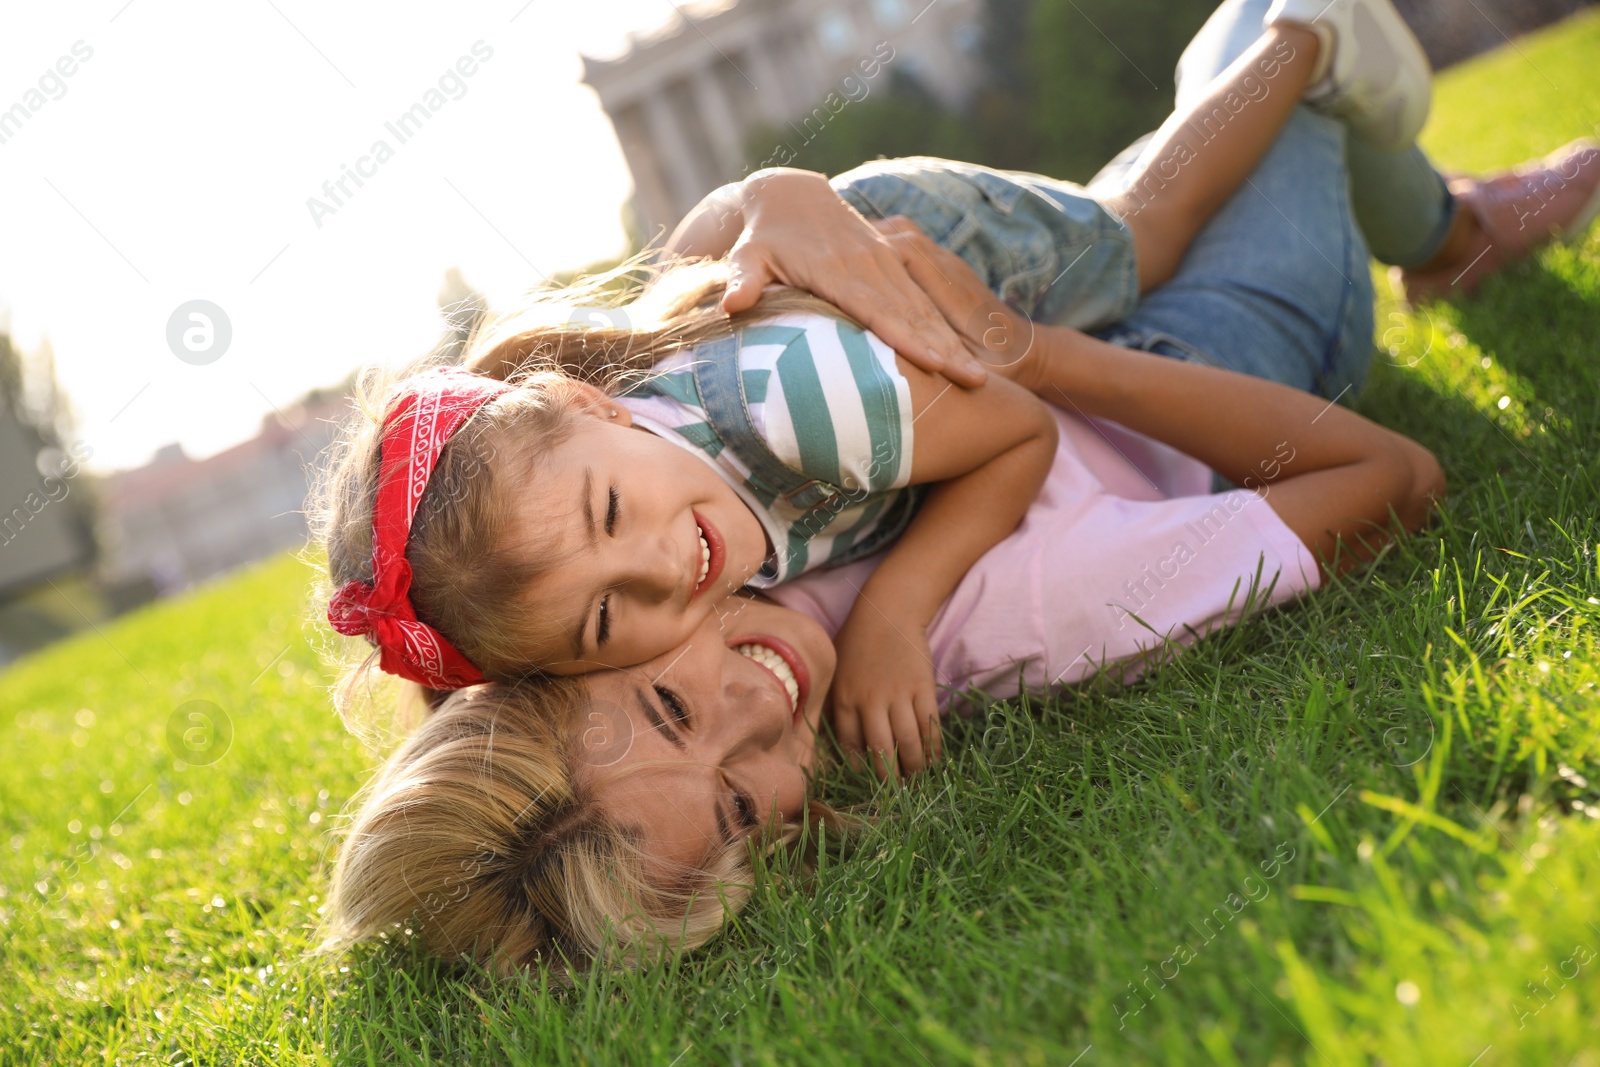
(177, 521)
(688, 99)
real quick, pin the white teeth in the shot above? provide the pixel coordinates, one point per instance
(705, 558)
(777, 665)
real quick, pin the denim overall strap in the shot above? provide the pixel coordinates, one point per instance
(721, 387)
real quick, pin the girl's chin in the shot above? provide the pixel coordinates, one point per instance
(752, 549)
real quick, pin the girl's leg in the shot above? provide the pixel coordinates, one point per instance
(1400, 201)
(1402, 204)
(1204, 151)
(1277, 283)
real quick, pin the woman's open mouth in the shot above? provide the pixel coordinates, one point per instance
(785, 663)
(712, 553)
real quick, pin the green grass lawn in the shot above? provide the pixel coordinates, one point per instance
(1363, 830)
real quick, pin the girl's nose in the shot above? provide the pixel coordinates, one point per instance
(657, 567)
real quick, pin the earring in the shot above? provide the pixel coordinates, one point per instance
(612, 413)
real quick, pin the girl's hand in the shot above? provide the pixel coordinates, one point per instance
(884, 699)
(998, 335)
(799, 232)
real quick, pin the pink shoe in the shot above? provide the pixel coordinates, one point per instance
(1555, 198)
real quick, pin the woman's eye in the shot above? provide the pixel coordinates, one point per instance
(613, 505)
(602, 631)
(745, 809)
(674, 705)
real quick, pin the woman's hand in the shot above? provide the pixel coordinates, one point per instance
(999, 336)
(793, 229)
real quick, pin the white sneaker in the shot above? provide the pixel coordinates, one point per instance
(1371, 72)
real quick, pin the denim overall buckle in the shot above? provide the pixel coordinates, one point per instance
(809, 495)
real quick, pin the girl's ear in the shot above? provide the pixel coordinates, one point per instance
(602, 406)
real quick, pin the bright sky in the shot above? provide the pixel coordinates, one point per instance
(176, 161)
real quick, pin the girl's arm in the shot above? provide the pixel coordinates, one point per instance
(988, 450)
(786, 226)
(1332, 476)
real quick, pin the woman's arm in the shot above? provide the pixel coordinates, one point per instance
(988, 450)
(1330, 475)
(789, 227)
(986, 453)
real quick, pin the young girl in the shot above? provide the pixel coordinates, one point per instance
(550, 535)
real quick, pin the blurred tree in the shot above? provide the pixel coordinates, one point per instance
(46, 507)
(1102, 76)
(462, 307)
(1000, 112)
(32, 393)
(900, 119)
(1067, 84)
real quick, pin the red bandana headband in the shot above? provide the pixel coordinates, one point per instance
(432, 408)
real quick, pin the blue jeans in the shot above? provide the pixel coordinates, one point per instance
(1277, 283)
(1401, 203)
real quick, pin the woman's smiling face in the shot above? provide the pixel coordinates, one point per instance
(714, 739)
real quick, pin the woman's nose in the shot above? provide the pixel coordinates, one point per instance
(763, 722)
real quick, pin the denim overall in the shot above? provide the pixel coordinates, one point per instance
(718, 379)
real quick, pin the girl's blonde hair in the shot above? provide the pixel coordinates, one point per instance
(479, 837)
(468, 576)
(588, 331)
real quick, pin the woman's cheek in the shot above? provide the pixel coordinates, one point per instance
(797, 802)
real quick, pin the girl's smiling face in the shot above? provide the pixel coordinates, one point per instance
(648, 539)
(713, 740)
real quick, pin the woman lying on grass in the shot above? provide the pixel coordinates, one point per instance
(786, 440)
(537, 823)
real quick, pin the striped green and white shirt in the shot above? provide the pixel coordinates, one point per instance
(829, 402)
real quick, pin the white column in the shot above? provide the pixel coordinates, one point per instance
(725, 133)
(771, 91)
(652, 197)
(667, 136)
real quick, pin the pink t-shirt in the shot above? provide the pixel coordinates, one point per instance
(1125, 553)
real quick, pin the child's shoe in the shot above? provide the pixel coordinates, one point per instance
(1554, 198)
(1371, 71)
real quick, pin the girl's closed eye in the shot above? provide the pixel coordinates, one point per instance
(602, 630)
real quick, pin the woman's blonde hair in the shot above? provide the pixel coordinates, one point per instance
(478, 835)
(468, 576)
